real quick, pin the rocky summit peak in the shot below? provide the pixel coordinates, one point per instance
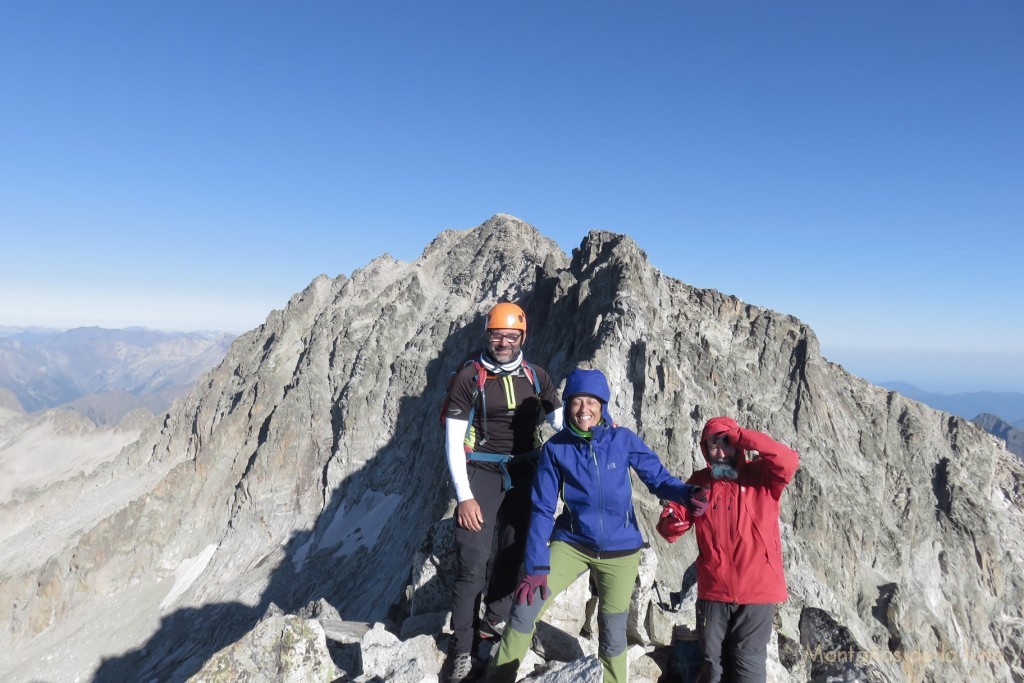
(308, 468)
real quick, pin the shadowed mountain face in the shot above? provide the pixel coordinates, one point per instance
(309, 465)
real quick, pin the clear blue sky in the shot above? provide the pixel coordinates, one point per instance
(858, 164)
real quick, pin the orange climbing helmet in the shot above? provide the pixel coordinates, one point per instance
(506, 316)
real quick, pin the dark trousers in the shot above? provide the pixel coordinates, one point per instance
(507, 518)
(734, 641)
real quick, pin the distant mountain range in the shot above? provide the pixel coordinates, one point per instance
(105, 373)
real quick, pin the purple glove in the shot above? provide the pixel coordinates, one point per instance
(530, 582)
(697, 503)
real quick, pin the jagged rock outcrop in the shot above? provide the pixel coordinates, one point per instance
(280, 649)
(996, 426)
(308, 466)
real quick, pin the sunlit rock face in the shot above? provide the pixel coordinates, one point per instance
(308, 466)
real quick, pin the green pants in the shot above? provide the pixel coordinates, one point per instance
(614, 578)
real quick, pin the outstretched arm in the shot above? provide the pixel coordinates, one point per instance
(543, 502)
(653, 474)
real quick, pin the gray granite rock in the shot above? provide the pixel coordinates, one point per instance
(280, 649)
(586, 670)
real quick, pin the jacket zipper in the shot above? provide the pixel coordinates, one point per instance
(600, 488)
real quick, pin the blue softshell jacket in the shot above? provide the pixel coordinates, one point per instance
(592, 478)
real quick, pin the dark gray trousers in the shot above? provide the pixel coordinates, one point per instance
(507, 516)
(734, 641)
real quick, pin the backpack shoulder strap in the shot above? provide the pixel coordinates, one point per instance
(531, 375)
(481, 374)
(481, 377)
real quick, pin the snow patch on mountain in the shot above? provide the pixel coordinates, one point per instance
(187, 573)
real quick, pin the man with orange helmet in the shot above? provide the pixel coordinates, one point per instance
(495, 404)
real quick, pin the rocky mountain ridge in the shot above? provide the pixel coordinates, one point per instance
(980, 407)
(999, 428)
(307, 466)
(1008, 405)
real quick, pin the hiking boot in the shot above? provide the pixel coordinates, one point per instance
(490, 630)
(462, 668)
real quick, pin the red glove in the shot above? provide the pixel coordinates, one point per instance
(531, 582)
(697, 503)
(674, 522)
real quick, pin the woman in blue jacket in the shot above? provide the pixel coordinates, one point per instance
(587, 463)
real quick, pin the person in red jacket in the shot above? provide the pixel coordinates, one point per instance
(739, 566)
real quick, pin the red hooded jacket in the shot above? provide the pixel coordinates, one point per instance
(740, 559)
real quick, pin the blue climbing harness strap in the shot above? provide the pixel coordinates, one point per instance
(502, 459)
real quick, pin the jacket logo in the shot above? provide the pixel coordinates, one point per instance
(611, 466)
(455, 411)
